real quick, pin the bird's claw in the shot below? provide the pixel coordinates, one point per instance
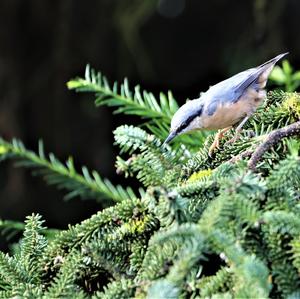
(216, 142)
(214, 145)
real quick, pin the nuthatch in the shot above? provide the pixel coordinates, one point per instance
(225, 104)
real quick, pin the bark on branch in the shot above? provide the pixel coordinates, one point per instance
(270, 140)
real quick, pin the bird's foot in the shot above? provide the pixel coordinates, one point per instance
(214, 145)
(216, 142)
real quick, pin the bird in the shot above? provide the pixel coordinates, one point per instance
(228, 103)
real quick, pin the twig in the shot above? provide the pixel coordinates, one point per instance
(241, 156)
(271, 139)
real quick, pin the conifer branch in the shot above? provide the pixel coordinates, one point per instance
(270, 140)
(63, 285)
(10, 229)
(152, 161)
(123, 288)
(8, 270)
(86, 185)
(156, 113)
(241, 156)
(196, 210)
(139, 103)
(221, 280)
(104, 222)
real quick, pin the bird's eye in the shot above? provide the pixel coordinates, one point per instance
(182, 127)
(188, 120)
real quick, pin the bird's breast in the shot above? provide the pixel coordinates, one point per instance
(228, 113)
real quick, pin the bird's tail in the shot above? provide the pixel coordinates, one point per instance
(273, 60)
(260, 74)
(264, 70)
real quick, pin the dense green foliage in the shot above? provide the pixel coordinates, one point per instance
(225, 226)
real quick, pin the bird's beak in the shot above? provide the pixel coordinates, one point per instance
(171, 136)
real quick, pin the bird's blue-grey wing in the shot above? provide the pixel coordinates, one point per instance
(232, 89)
(252, 78)
(226, 91)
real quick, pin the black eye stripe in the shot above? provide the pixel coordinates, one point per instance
(189, 120)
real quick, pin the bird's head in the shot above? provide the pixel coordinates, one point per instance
(183, 119)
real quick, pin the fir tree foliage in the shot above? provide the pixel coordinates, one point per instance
(225, 226)
(156, 114)
(87, 185)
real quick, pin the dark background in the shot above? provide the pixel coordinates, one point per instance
(178, 45)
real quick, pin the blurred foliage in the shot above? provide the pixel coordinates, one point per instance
(285, 76)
